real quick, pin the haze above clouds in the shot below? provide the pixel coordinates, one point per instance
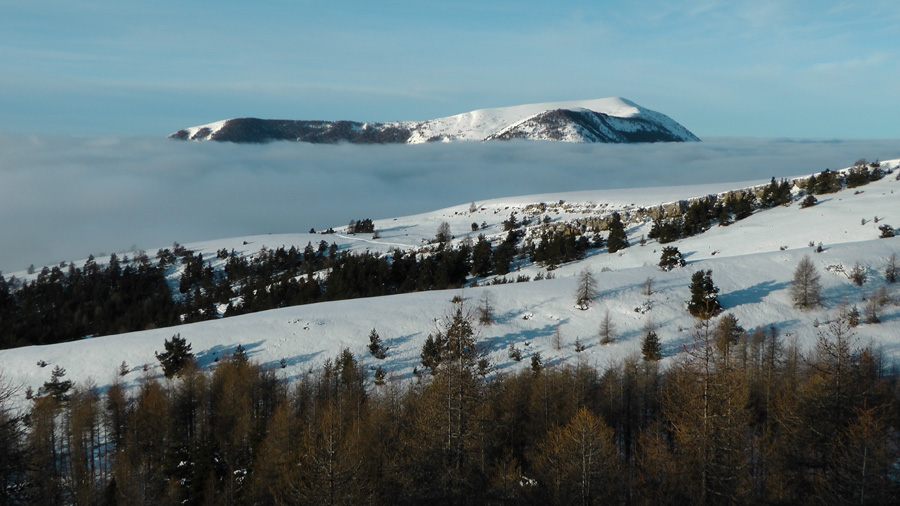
(63, 198)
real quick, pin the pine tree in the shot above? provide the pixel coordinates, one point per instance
(176, 357)
(670, 258)
(376, 348)
(704, 302)
(57, 387)
(536, 364)
(891, 271)
(431, 354)
(482, 257)
(650, 347)
(617, 239)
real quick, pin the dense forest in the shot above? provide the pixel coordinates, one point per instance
(739, 418)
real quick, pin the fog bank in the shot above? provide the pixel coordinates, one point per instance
(63, 198)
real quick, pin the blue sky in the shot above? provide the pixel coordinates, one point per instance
(802, 69)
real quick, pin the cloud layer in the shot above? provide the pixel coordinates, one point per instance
(64, 198)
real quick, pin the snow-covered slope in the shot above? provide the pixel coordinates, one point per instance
(752, 262)
(600, 120)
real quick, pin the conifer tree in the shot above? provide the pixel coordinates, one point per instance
(650, 347)
(587, 289)
(176, 357)
(704, 302)
(607, 328)
(805, 288)
(617, 239)
(891, 270)
(57, 387)
(376, 348)
(670, 258)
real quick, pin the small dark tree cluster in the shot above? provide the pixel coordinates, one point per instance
(363, 226)
(556, 248)
(70, 303)
(776, 194)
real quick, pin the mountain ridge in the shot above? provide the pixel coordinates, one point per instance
(608, 120)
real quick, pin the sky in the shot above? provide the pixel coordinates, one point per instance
(758, 68)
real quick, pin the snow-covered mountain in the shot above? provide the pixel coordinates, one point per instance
(614, 119)
(752, 263)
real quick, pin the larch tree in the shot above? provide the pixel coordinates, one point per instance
(580, 462)
(607, 330)
(587, 289)
(806, 291)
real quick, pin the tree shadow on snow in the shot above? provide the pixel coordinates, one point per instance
(500, 343)
(751, 295)
(207, 358)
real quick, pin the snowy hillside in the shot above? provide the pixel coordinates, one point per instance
(600, 120)
(752, 262)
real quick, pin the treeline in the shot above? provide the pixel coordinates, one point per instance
(701, 214)
(65, 303)
(738, 419)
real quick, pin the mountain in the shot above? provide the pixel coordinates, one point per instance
(613, 120)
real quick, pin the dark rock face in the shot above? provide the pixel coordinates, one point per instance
(254, 130)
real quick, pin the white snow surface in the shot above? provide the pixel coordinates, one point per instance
(479, 124)
(213, 128)
(752, 263)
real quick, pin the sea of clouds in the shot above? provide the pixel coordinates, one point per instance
(63, 198)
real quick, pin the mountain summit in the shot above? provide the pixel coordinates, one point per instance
(612, 120)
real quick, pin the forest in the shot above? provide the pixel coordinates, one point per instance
(738, 418)
(65, 302)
